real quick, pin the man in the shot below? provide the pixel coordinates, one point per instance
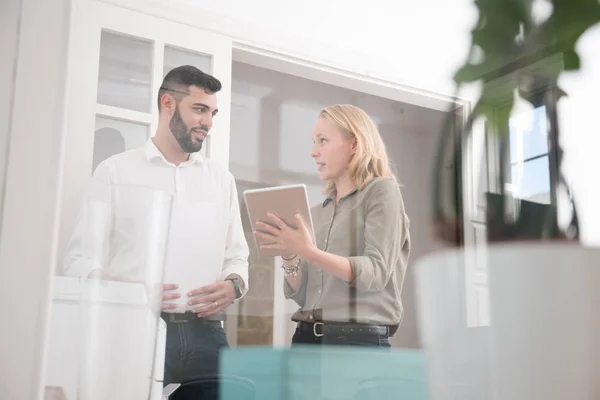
(207, 257)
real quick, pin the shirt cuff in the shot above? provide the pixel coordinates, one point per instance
(288, 290)
(362, 269)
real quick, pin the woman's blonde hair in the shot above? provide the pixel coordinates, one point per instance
(370, 160)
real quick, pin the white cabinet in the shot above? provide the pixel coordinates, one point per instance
(117, 61)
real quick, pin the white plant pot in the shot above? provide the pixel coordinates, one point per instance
(542, 340)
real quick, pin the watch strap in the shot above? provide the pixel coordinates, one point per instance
(237, 285)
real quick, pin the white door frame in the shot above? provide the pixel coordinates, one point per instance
(312, 69)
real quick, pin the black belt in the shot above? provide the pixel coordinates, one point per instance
(178, 318)
(343, 328)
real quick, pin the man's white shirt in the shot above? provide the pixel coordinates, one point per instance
(206, 241)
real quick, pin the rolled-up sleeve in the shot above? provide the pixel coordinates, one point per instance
(385, 236)
(299, 296)
(236, 249)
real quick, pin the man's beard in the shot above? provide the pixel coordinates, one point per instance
(183, 134)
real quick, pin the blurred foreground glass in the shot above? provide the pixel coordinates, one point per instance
(125, 234)
(541, 341)
(457, 353)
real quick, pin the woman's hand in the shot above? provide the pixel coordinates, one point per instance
(282, 237)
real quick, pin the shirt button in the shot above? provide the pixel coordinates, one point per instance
(320, 291)
(310, 317)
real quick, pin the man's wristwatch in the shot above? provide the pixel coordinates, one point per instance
(237, 284)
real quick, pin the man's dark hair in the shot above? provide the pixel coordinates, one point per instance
(178, 81)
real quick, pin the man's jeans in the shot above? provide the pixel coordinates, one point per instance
(192, 353)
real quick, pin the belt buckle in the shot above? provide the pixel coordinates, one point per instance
(315, 329)
(172, 318)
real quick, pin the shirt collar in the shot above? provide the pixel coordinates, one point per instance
(334, 194)
(152, 152)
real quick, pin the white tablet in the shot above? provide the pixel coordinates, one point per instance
(283, 201)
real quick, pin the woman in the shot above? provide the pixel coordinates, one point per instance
(348, 283)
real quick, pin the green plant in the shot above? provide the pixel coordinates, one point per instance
(506, 42)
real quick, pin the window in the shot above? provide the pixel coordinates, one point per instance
(529, 169)
(529, 176)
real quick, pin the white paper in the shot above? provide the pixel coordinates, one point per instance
(192, 261)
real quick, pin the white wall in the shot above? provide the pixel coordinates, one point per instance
(271, 137)
(377, 37)
(29, 221)
(9, 32)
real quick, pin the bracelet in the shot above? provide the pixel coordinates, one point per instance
(288, 259)
(291, 269)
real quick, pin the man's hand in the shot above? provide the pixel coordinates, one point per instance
(168, 295)
(212, 298)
